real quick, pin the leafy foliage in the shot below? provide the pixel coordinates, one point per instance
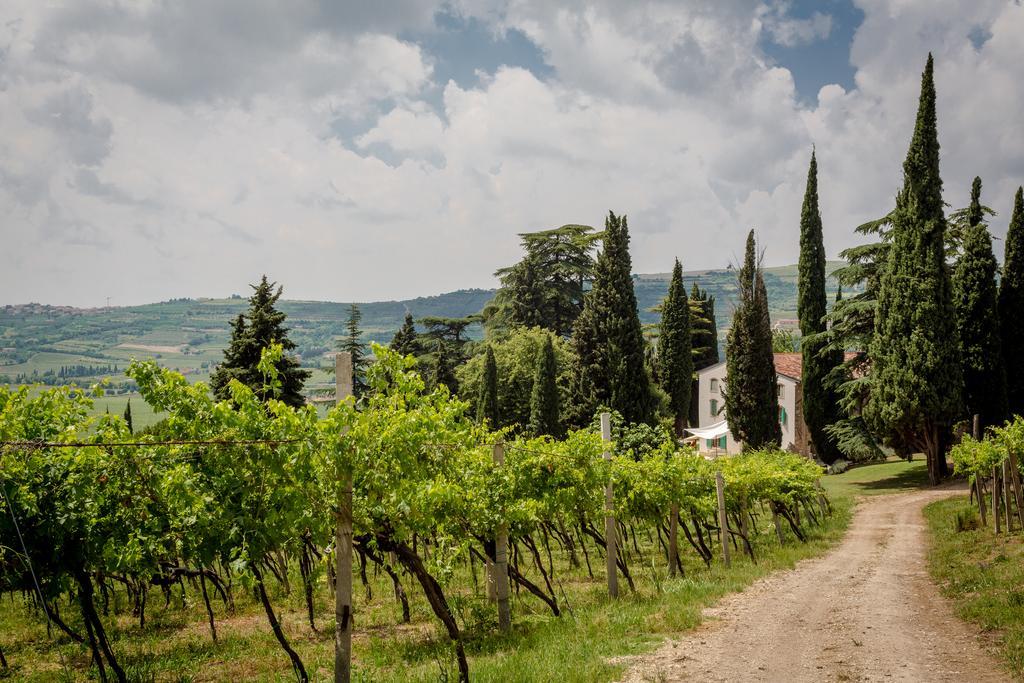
(675, 349)
(251, 332)
(820, 403)
(915, 356)
(975, 300)
(1011, 303)
(751, 402)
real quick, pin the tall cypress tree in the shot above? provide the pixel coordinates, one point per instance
(704, 339)
(917, 380)
(487, 401)
(820, 404)
(608, 338)
(676, 357)
(352, 343)
(128, 417)
(975, 298)
(544, 415)
(251, 332)
(1011, 307)
(751, 398)
(406, 341)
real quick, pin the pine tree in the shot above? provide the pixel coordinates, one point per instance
(751, 399)
(608, 338)
(917, 380)
(356, 348)
(820, 403)
(675, 357)
(975, 298)
(444, 368)
(544, 412)
(128, 417)
(1011, 307)
(406, 341)
(487, 401)
(251, 332)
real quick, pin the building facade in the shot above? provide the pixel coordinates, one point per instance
(711, 407)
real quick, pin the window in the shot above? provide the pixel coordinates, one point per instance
(714, 407)
(782, 390)
(716, 443)
(714, 385)
(782, 416)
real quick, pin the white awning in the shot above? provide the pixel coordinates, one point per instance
(714, 431)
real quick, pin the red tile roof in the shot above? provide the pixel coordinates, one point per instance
(791, 364)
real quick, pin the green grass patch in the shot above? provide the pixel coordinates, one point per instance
(983, 574)
(893, 476)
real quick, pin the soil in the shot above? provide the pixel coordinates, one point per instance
(866, 611)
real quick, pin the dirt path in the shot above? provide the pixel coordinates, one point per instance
(866, 611)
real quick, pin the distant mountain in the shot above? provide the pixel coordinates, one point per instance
(189, 334)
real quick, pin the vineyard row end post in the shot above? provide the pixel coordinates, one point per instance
(723, 519)
(610, 529)
(343, 542)
(499, 578)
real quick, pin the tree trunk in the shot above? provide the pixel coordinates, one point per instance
(275, 625)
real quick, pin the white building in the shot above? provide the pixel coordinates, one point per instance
(711, 411)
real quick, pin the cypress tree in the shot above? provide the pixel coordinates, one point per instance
(1011, 307)
(406, 341)
(704, 328)
(487, 401)
(820, 404)
(608, 337)
(128, 417)
(544, 397)
(917, 380)
(351, 343)
(444, 368)
(704, 339)
(751, 398)
(251, 332)
(975, 298)
(676, 354)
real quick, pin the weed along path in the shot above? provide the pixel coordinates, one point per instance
(866, 611)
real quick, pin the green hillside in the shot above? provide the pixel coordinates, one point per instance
(60, 344)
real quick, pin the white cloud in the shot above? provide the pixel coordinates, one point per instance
(141, 159)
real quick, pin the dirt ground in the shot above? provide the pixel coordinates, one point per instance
(866, 611)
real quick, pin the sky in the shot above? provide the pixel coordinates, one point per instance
(358, 151)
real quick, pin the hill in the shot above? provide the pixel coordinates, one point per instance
(61, 344)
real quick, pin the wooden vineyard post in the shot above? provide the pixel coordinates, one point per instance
(1018, 496)
(610, 530)
(673, 539)
(1007, 497)
(995, 498)
(343, 543)
(979, 489)
(723, 520)
(499, 576)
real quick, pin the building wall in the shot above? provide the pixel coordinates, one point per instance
(710, 382)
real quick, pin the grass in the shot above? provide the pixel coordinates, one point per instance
(983, 574)
(892, 476)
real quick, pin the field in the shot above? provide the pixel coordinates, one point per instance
(592, 640)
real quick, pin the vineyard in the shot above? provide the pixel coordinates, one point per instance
(234, 503)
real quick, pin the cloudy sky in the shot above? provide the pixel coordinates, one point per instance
(369, 150)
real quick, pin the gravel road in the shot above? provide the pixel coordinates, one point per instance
(866, 611)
